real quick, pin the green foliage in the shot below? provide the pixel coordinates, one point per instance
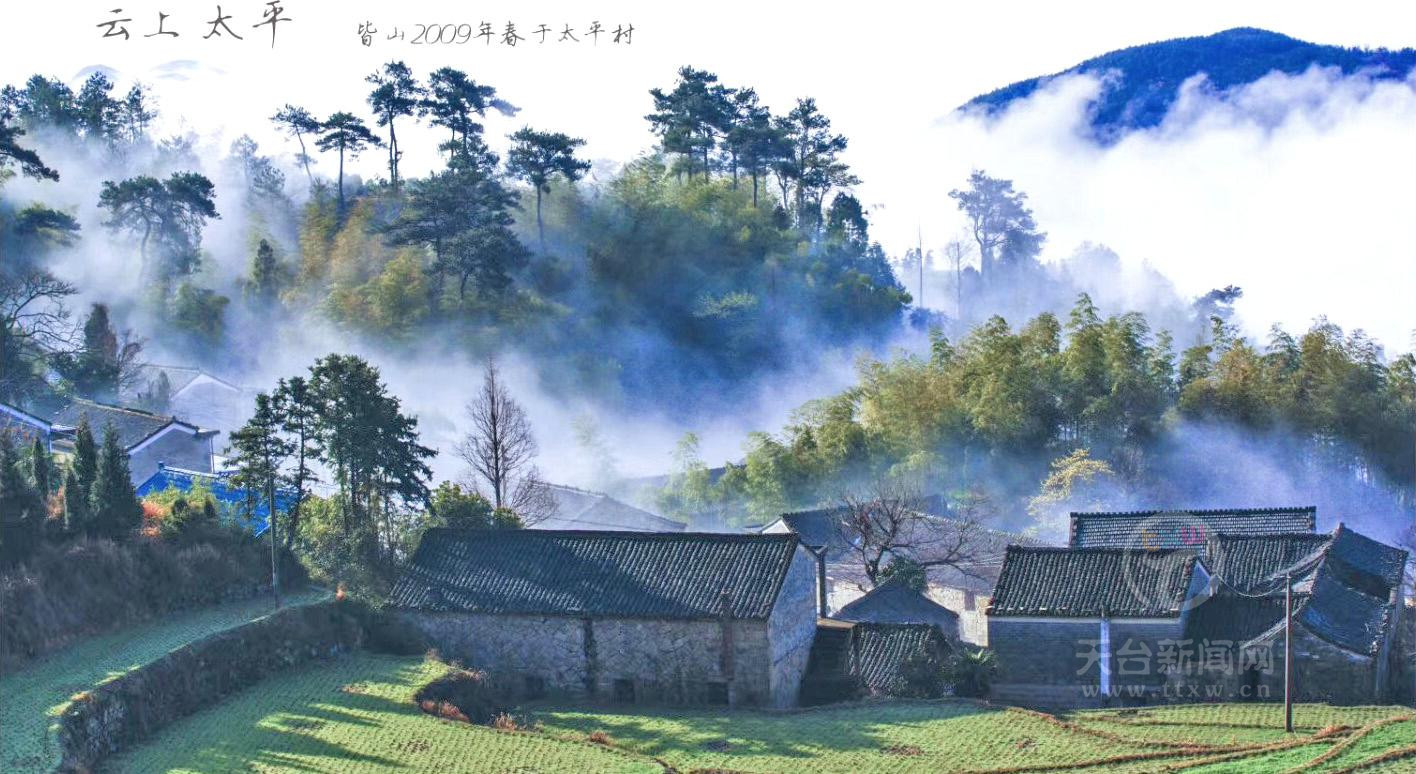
(168, 213)
(98, 368)
(469, 510)
(971, 671)
(200, 315)
(922, 675)
(113, 505)
(22, 506)
(346, 134)
(907, 572)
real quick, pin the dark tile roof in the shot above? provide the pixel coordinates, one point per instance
(1343, 591)
(24, 425)
(1258, 563)
(1344, 616)
(878, 650)
(895, 602)
(1184, 528)
(585, 510)
(1087, 582)
(1380, 562)
(817, 528)
(133, 426)
(606, 574)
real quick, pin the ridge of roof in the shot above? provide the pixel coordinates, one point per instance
(618, 534)
(1198, 511)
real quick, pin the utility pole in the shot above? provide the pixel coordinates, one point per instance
(1288, 653)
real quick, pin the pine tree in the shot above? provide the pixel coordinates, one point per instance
(21, 509)
(113, 501)
(85, 456)
(41, 469)
(265, 275)
(76, 506)
(259, 451)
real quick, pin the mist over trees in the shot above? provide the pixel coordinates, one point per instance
(685, 281)
(1096, 411)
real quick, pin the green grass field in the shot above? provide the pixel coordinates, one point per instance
(356, 715)
(30, 696)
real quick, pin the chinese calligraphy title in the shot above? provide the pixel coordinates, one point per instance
(272, 16)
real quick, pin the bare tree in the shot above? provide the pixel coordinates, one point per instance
(955, 252)
(500, 450)
(888, 522)
(33, 323)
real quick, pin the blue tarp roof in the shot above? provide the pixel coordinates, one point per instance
(242, 500)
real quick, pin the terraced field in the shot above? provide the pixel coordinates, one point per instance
(29, 697)
(356, 715)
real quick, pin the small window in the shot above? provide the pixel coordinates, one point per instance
(717, 693)
(624, 691)
(534, 686)
(970, 603)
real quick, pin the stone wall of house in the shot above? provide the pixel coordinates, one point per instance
(1323, 673)
(658, 660)
(973, 622)
(177, 448)
(792, 628)
(1049, 662)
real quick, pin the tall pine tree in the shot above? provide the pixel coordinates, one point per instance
(21, 508)
(76, 506)
(113, 501)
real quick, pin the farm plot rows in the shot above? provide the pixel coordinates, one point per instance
(30, 696)
(355, 715)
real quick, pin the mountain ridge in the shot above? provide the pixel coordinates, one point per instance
(1151, 73)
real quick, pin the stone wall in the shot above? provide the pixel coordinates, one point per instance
(1047, 662)
(133, 706)
(971, 607)
(1326, 673)
(792, 628)
(665, 661)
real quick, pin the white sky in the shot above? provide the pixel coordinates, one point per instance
(887, 74)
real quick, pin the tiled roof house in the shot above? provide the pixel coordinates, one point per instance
(675, 617)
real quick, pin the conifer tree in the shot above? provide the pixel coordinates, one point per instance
(113, 502)
(21, 509)
(85, 466)
(76, 506)
(41, 469)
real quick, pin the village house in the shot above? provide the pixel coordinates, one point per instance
(691, 618)
(24, 427)
(581, 509)
(194, 394)
(894, 602)
(1154, 606)
(149, 439)
(964, 589)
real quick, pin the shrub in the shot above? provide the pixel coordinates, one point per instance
(91, 585)
(922, 675)
(467, 691)
(971, 671)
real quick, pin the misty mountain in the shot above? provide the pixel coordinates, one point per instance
(1142, 82)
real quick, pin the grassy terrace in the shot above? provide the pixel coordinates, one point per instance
(30, 696)
(355, 715)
